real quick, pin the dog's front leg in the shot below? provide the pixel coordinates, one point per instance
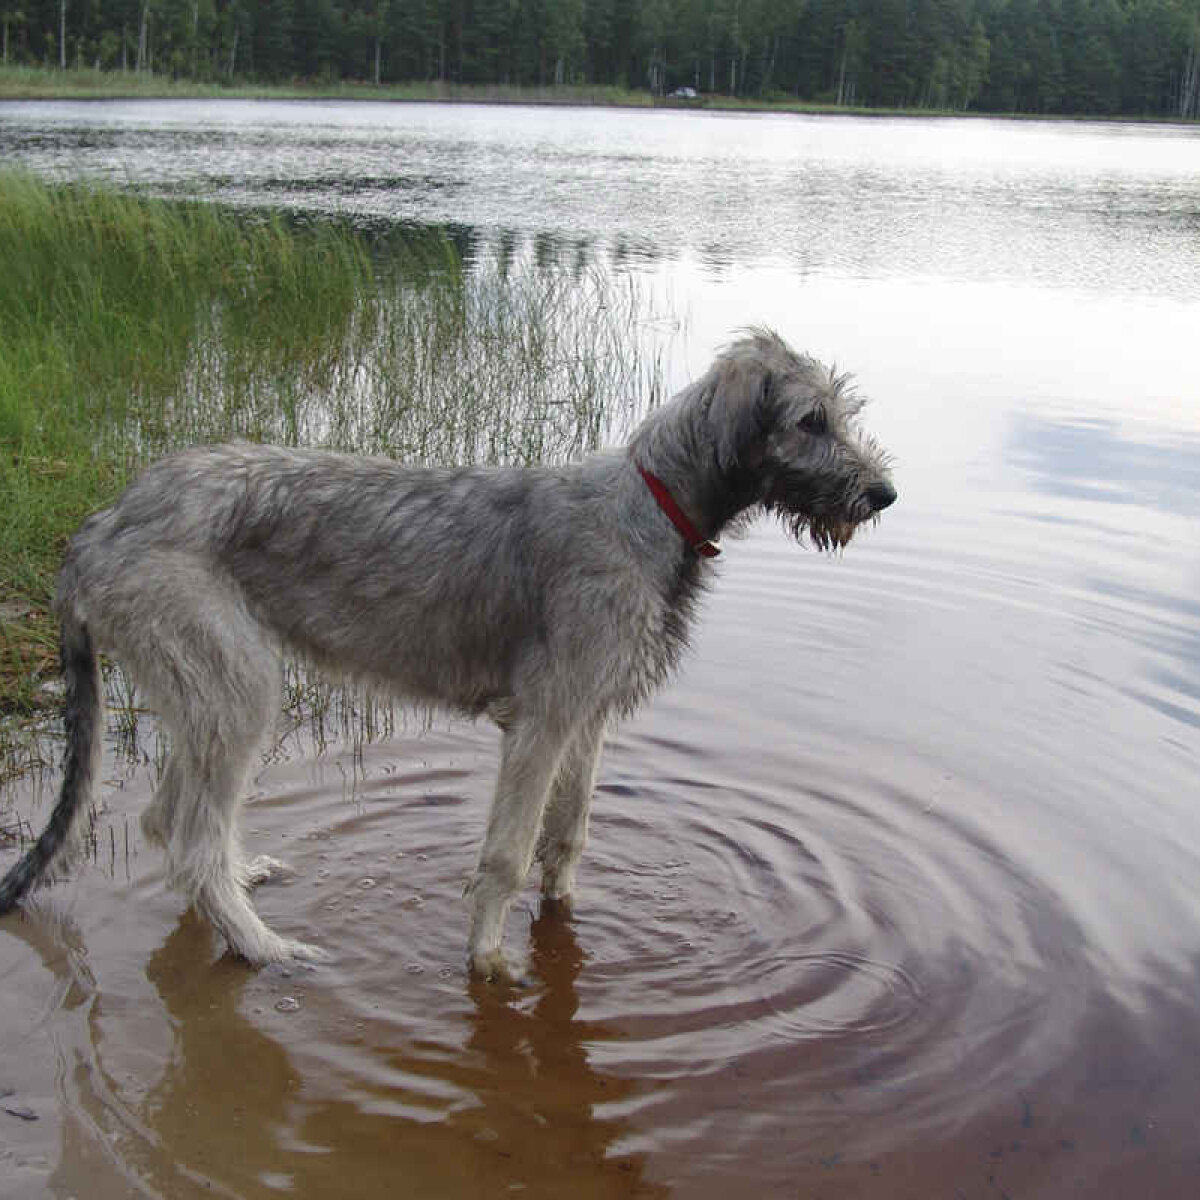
(564, 829)
(530, 758)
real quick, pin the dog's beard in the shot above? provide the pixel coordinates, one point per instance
(825, 521)
(825, 531)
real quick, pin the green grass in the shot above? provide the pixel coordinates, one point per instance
(130, 326)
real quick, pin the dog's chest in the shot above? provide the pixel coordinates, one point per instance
(662, 638)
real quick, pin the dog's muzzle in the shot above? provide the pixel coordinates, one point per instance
(880, 495)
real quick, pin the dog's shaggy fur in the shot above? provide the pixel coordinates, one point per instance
(549, 598)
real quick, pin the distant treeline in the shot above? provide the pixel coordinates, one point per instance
(1135, 57)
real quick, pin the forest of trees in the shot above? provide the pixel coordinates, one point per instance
(1136, 57)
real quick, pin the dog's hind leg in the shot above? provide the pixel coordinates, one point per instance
(204, 854)
(213, 673)
(204, 850)
(565, 825)
(530, 757)
(160, 815)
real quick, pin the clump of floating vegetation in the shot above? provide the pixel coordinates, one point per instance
(132, 325)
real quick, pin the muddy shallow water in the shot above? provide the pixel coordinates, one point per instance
(892, 893)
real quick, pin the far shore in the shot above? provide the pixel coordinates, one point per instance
(45, 83)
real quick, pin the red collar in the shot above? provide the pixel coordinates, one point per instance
(703, 546)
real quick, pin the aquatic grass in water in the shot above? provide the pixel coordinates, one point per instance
(130, 326)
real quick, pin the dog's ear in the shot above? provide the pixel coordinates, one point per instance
(740, 413)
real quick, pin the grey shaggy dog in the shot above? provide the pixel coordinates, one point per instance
(551, 599)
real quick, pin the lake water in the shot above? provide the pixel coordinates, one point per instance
(895, 891)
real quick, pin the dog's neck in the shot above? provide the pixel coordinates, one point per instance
(701, 545)
(741, 491)
(674, 443)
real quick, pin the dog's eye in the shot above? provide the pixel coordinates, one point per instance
(814, 423)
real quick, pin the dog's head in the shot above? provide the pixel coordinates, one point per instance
(786, 433)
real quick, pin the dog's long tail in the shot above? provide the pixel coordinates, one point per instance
(83, 717)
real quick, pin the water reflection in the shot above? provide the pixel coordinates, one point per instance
(238, 1113)
(220, 1106)
(544, 1104)
(214, 1115)
(1098, 459)
(1090, 206)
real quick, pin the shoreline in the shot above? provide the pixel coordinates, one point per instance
(37, 83)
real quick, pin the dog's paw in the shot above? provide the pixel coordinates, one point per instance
(261, 869)
(305, 952)
(275, 950)
(559, 904)
(494, 968)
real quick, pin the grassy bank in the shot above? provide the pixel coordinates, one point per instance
(131, 326)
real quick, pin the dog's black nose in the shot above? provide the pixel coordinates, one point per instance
(880, 495)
